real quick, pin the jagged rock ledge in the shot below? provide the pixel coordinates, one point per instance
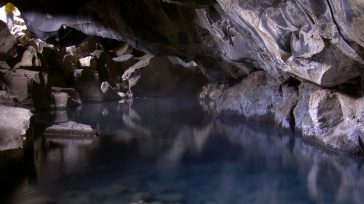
(330, 117)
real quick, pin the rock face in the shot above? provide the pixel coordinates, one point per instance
(329, 117)
(14, 124)
(7, 41)
(258, 97)
(89, 68)
(311, 54)
(317, 41)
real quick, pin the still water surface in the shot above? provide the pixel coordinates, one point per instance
(177, 151)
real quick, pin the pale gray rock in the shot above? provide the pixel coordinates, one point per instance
(250, 97)
(19, 82)
(325, 111)
(123, 58)
(257, 97)
(7, 40)
(87, 62)
(70, 130)
(29, 59)
(326, 116)
(212, 91)
(14, 124)
(60, 99)
(301, 115)
(336, 120)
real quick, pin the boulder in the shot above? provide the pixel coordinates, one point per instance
(29, 59)
(70, 130)
(87, 62)
(19, 83)
(257, 97)
(336, 121)
(14, 124)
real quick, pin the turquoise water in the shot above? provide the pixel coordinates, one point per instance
(178, 151)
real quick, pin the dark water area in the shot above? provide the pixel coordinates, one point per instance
(177, 151)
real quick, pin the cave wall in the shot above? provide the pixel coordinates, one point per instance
(318, 41)
(310, 51)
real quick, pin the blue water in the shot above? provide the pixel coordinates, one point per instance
(179, 151)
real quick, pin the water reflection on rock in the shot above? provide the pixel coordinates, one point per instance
(170, 151)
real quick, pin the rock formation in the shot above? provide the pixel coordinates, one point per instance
(311, 54)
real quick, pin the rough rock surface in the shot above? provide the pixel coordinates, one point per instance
(257, 97)
(14, 124)
(70, 129)
(89, 68)
(7, 40)
(319, 41)
(329, 117)
(304, 47)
